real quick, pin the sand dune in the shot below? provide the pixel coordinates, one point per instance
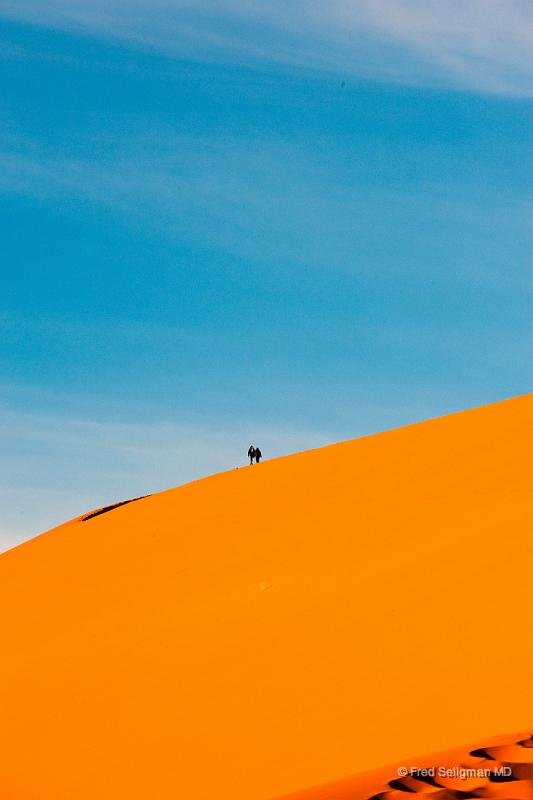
(499, 768)
(278, 627)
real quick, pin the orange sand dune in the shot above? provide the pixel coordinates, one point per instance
(498, 769)
(277, 627)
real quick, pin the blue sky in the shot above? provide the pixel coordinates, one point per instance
(232, 222)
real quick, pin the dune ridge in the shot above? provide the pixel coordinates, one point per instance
(280, 626)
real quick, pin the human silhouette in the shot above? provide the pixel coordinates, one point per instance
(258, 455)
(251, 453)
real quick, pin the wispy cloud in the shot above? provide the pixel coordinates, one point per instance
(264, 198)
(483, 45)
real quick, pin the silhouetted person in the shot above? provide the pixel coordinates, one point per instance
(251, 453)
(258, 455)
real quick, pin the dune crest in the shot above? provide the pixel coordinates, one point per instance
(281, 626)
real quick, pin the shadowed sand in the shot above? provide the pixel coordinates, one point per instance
(280, 626)
(500, 768)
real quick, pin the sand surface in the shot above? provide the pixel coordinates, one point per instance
(499, 768)
(277, 627)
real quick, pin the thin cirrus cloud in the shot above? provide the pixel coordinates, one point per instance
(236, 198)
(482, 45)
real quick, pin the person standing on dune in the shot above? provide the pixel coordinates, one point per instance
(251, 453)
(258, 455)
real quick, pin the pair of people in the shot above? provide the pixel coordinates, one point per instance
(254, 452)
